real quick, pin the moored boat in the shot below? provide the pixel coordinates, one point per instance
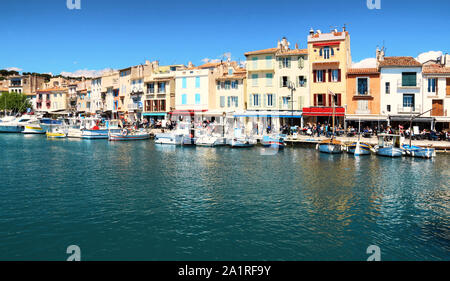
(127, 135)
(330, 146)
(169, 138)
(419, 152)
(387, 147)
(276, 142)
(359, 148)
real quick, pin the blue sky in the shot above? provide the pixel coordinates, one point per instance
(44, 36)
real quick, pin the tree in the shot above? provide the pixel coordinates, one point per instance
(14, 102)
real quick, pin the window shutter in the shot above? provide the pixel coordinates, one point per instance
(329, 100)
(289, 62)
(280, 62)
(339, 75)
(324, 76)
(301, 62)
(320, 52)
(305, 80)
(315, 76)
(339, 100)
(300, 102)
(281, 81)
(280, 102)
(315, 99)
(330, 76)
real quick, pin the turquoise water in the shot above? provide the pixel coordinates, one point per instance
(139, 201)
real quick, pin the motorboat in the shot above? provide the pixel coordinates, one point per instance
(169, 138)
(419, 152)
(129, 135)
(33, 127)
(10, 124)
(240, 140)
(389, 145)
(56, 132)
(276, 141)
(94, 131)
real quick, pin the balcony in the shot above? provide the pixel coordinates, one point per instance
(409, 109)
(367, 95)
(402, 85)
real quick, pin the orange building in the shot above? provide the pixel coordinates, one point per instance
(363, 97)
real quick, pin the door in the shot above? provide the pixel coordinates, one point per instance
(438, 108)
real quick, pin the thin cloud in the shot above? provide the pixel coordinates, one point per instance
(431, 55)
(13, 69)
(86, 73)
(365, 63)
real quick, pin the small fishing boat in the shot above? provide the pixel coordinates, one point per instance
(56, 132)
(330, 146)
(169, 138)
(419, 152)
(277, 142)
(387, 147)
(359, 148)
(240, 140)
(207, 141)
(33, 128)
(127, 135)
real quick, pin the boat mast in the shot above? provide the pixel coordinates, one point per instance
(410, 125)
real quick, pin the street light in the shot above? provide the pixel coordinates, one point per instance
(291, 87)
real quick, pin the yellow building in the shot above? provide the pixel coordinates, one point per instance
(329, 58)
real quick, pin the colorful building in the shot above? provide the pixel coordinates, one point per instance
(329, 58)
(363, 98)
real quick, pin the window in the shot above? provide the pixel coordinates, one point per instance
(269, 61)
(234, 84)
(227, 85)
(286, 102)
(222, 101)
(335, 75)
(269, 100)
(319, 100)
(255, 79)
(218, 85)
(161, 87)
(326, 52)
(363, 106)
(301, 62)
(302, 81)
(255, 99)
(363, 87)
(388, 88)
(388, 108)
(184, 99)
(432, 85)
(408, 100)
(184, 83)
(197, 82)
(255, 62)
(285, 62)
(409, 79)
(284, 81)
(230, 71)
(269, 78)
(320, 76)
(234, 101)
(197, 99)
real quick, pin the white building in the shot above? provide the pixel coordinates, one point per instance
(401, 90)
(96, 96)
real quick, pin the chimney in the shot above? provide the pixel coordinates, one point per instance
(296, 46)
(311, 32)
(147, 62)
(344, 29)
(190, 64)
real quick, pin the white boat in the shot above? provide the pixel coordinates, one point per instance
(9, 125)
(239, 139)
(56, 132)
(389, 145)
(169, 138)
(128, 135)
(33, 127)
(210, 137)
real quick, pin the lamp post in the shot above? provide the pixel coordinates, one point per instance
(291, 87)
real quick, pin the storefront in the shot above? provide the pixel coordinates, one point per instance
(359, 122)
(324, 115)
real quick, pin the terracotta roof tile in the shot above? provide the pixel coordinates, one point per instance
(265, 51)
(399, 61)
(294, 52)
(363, 71)
(436, 69)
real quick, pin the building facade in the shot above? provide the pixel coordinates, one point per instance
(329, 58)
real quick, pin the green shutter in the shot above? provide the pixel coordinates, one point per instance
(265, 100)
(409, 79)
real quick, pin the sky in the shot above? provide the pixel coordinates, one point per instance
(45, 36)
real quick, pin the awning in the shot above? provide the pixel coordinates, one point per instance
(375, 118)
(323, 111)
(154, 114)
(279, 114)
(408, 119)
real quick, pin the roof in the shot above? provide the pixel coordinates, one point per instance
(209, 65)
(399, 62)
(436, 69)
(52, 90)
(362, 71)
(259, 52)
(294, 52)
(319, 37)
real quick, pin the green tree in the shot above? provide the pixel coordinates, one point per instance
(14, 102)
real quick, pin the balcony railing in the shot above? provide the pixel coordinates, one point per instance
(134, 106)
(409, 109)
(417, 85)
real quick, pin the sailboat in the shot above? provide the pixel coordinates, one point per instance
(359, 148)
(331, 146)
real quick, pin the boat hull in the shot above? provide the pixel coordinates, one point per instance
(120, 137)
(11, 129)
(169, 139)
(330, 148)
(273, 143)
(33, 130)
(419, 152)
(359, 149)
(241, 144)
(97, 134)
(390, 152)
(55, 135)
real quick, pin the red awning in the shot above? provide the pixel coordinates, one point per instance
(323, 111)
(326, 44)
